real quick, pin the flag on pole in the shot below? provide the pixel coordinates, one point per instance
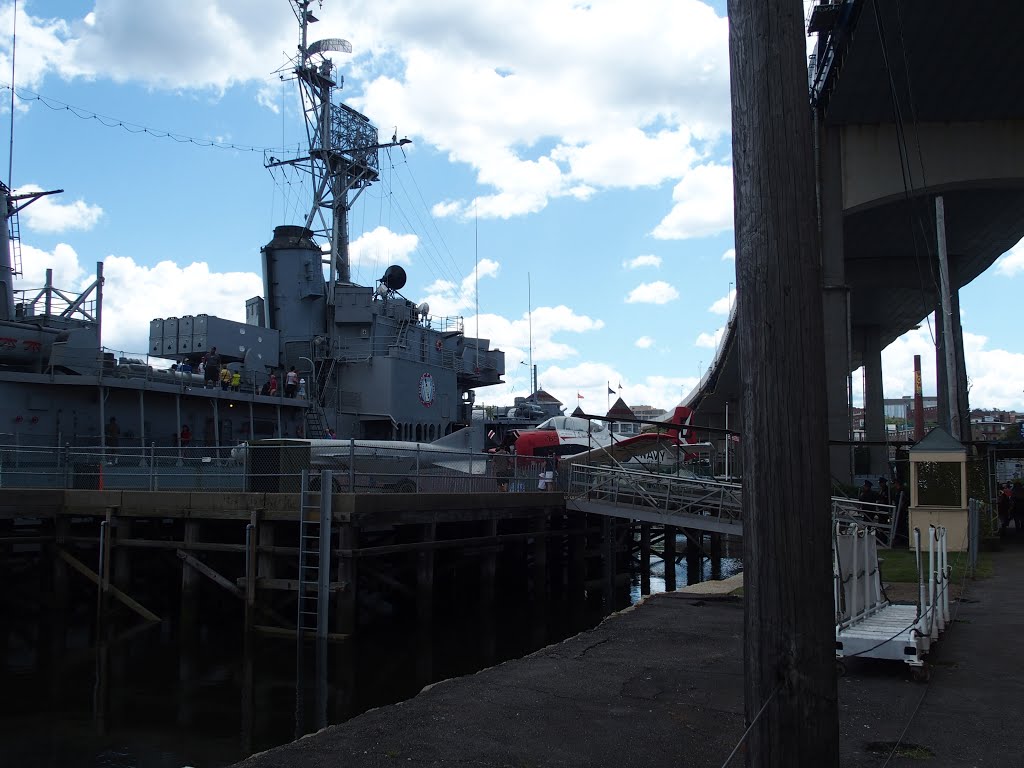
(611, 391)
(620, 386)
(579, 396)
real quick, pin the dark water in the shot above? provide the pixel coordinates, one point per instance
(157, 696)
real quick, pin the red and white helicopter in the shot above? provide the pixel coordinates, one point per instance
(570, 435)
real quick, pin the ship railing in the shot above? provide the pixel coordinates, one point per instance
(266, 467)
(109, 364)
(443, 324)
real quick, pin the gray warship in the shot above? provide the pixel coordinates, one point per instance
(374, 364)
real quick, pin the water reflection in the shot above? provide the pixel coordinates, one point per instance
(88, 689)
(661, 575)
(157, 695)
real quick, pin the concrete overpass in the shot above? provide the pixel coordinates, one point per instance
(909, 102)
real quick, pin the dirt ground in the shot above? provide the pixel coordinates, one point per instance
(905, 592)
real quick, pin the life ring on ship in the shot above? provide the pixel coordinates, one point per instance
(438, 345)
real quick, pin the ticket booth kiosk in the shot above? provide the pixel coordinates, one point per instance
(938, 488)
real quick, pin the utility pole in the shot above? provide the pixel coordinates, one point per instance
(789, 638)
(949, 340)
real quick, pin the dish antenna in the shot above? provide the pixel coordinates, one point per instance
(394, 278)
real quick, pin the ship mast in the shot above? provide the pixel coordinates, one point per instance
(342, 142)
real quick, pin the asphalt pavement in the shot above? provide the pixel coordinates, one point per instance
(661, 684)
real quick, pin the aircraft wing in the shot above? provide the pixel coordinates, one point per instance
(470, 465)
(638, 446)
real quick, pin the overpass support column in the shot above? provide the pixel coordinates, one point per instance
(874, 400)
(836, 304)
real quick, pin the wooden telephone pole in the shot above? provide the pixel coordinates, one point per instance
(789, 642)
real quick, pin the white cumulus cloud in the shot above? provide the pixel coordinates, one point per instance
(723, 305)
(658, 292)
(710, 340)
(644, 342)
(703, 204)
(729, 255)
(635, 96)
(449, 299)
(513, 335)
(134, 294)
(49, 214)
(380, 247)
(1012, 262)
(994, 375)
(643, 261)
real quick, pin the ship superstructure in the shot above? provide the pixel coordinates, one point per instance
(373, 364)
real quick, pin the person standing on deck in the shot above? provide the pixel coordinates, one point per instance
(291, 382)
(212, 372)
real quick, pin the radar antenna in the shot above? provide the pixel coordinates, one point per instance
(343, 144)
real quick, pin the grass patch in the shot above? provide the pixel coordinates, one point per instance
(899, 565)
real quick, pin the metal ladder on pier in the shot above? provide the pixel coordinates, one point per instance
(314, 555)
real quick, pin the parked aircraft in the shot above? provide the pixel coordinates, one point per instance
(568, 435)
(394, 465)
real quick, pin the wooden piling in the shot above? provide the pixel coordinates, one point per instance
(577, 556)
(608, 550)
(344, 612)
(425, 575)
(694, 558)
(122, 562)
(190, 580)
(488, 566)
(669, 549)
(645, 558)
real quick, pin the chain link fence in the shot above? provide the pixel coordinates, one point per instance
(272, 466)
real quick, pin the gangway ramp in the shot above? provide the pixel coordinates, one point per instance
(687, 501)
(867, 624)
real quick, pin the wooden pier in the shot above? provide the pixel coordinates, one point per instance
(384, 549)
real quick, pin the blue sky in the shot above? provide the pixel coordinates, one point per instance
(590, 141)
